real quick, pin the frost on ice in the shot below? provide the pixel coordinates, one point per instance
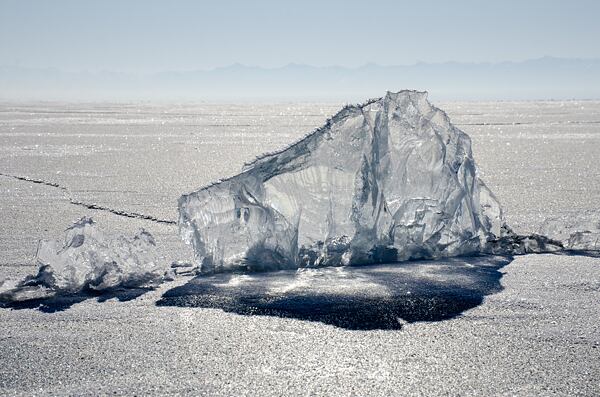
(390, 180)
(90, 260)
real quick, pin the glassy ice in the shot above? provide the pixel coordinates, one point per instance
(389, 180)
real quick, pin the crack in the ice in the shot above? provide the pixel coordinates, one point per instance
(122, 213)
(529, 123)
(67, 192)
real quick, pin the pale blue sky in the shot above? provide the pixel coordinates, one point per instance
(148, 36)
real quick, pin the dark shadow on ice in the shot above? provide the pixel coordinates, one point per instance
(355, 298)
(572, 252)
(59, 302)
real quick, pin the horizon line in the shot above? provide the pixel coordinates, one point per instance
(296, 64)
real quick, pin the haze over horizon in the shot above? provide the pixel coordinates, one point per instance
(112, 49)
(295, 64)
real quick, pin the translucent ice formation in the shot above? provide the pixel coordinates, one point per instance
(389, 180)
(578, 231)
(89, 259)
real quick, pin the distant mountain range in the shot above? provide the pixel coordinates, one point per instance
(543, 78)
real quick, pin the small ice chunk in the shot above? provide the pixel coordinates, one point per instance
(181, 264)
(6, 284)
(510, 243)
(184, 268)
(89, 259)
(576, 231)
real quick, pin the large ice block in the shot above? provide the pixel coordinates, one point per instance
(389, 180)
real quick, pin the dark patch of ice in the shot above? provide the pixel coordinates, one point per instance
(355, 298)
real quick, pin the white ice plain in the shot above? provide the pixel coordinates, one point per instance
(538, 335)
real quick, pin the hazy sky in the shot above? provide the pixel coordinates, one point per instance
(147, 36)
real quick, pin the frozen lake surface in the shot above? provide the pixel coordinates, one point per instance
(536, 331)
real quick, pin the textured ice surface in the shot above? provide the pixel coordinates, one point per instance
(578, 231)
(89, 259)
(389, 180)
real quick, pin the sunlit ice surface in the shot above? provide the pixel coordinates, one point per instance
(537, 157)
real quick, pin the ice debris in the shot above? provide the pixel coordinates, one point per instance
(576, 231)
(389, 180)
(91, 260)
